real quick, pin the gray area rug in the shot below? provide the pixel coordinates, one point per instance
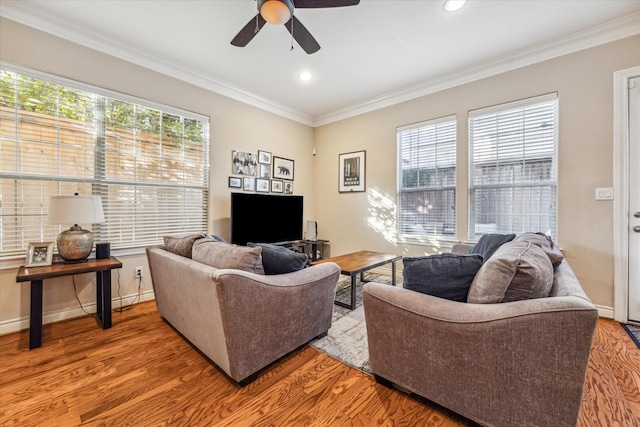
(634, 333)
(347, 337)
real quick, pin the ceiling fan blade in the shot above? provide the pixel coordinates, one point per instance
(248, 32)
(324, 3)
(302, 36)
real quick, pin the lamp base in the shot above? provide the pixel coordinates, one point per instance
(75, 244)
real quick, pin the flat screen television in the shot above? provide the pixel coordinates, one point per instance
(262, 218)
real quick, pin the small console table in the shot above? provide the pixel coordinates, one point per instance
(35, 275)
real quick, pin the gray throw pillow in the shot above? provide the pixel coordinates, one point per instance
(181, 245)
(489, 243)
(280, 260)
(517, 271)
(546, 243)
(445, 275)
(225, 255)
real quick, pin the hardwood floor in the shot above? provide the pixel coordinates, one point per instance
(141, 372)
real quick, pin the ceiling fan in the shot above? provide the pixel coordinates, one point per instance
(279, 12)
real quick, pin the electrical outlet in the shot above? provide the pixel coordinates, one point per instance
(138, 272)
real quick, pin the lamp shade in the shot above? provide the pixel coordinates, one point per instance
(276, 11)
(75, 210)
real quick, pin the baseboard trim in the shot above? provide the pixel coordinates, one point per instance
(604, 311)
(18, 324)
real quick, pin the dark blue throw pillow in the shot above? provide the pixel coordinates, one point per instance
(489, 243)
(280, 260)
(445, 275)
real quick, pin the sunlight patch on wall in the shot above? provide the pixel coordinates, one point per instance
(382, 214)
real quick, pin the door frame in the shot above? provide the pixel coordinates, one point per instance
(621, 192)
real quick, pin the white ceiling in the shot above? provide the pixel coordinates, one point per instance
(374, 54)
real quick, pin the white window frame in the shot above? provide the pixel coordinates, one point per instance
(442, 150)
(168, 198)
(500, 150)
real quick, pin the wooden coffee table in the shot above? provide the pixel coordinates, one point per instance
(359, 262)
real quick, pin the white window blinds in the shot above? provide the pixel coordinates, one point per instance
(512, 167)
(150, 164)
(427, 179)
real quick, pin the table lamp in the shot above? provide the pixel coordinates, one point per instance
(75, 244)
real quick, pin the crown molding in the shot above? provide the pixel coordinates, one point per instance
(30, 15)
(616, 29)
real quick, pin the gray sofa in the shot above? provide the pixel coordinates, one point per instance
(520, 363)
(242, 321)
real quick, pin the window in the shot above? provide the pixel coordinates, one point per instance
(427, 179)
(512, 167)
(149, 163)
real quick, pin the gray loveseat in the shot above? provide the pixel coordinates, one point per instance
(242, 321)
(520, 363)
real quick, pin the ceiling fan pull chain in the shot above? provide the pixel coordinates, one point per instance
(255, 31)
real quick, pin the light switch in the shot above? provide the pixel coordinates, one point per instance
(604, 193)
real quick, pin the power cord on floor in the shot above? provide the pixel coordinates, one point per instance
(73, 278)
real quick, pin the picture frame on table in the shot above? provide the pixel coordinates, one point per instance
(264, 157)
(39, 254)
(249, 184)
(352, 172)
(277, 186)
(282, 168)
(235, 182)
(262, 185)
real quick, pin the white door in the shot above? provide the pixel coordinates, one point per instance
(634, 199)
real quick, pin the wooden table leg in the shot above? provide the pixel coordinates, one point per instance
(103, 297)
(35, 317)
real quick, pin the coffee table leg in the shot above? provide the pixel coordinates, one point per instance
(353, 292)
(393, 273)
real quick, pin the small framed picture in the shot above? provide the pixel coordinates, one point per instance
(249, 184)
(264, 157)
(265, 171)
(352, 172)
(276, 186)
(235, 182)
(262, 185)
(244, 163)
(288, 187)
(282, 168)
(40, 253)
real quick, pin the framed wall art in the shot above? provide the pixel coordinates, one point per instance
(235, 182)
(288, 187)
(276, 186)
(38, 254)
(244, 163)
(262, 185)
(264, 157)
(282, 168)
(265, 171)
(352, 172)
(249, 184)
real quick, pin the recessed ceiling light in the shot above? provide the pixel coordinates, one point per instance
(305, 76)
(453, 5)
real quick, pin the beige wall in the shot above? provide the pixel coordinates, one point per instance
(584, 82)
(234, 126)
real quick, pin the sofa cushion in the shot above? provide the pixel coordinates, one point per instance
(225, 255)
(280, 260)
(489, 243)
(445, 275)
(181, 245)
(546, 243)
(516, 271)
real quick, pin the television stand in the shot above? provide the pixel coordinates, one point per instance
(308, 247)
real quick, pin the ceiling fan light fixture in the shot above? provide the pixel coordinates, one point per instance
(453, 5)
(276, 12)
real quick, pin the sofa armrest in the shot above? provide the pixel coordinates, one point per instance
(273, 314)
(514, 363)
